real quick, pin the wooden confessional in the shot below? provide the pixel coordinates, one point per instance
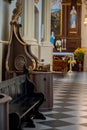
(19, 52)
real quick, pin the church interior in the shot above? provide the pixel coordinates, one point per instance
(43, 65)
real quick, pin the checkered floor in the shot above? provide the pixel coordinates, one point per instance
(70, 105)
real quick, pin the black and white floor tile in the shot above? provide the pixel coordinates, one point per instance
(70, 104)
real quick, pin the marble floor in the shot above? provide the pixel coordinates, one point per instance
(69, 104)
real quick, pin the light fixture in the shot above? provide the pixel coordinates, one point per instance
(85, 19)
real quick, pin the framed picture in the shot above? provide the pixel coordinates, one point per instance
(56, 17)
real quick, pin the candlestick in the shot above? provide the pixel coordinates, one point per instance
(70, 65)
(65, 43)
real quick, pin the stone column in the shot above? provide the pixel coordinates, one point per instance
(46, 48)
(28, 19)
(46, 19)
(28, 25)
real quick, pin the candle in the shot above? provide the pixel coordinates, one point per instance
(65, 43)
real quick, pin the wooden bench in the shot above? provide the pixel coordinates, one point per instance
(21, 103)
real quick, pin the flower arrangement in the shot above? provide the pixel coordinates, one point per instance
(58, 45)
(79, 54)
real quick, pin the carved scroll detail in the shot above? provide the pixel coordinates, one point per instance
(18, 49)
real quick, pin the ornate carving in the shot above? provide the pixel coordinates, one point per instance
(19, 52)
(20, 61)
(59, 64)
(17, 11)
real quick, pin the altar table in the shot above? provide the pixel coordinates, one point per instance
(64, 54)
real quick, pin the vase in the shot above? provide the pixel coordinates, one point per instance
(80, 66)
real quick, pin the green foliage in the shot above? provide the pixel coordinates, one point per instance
(79, 54)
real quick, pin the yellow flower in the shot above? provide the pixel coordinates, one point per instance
(79, 53)
(79, 50)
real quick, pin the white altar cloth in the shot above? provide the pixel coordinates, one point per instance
(64, 54)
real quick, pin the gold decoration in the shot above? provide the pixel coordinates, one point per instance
(71, 62)
(17, 11)
(7, 67)
(34, 64)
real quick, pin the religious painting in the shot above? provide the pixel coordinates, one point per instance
(56, 17)
(73, 17)
(73, 20)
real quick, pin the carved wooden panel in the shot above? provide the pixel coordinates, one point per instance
(72, 44)
(59, 64)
